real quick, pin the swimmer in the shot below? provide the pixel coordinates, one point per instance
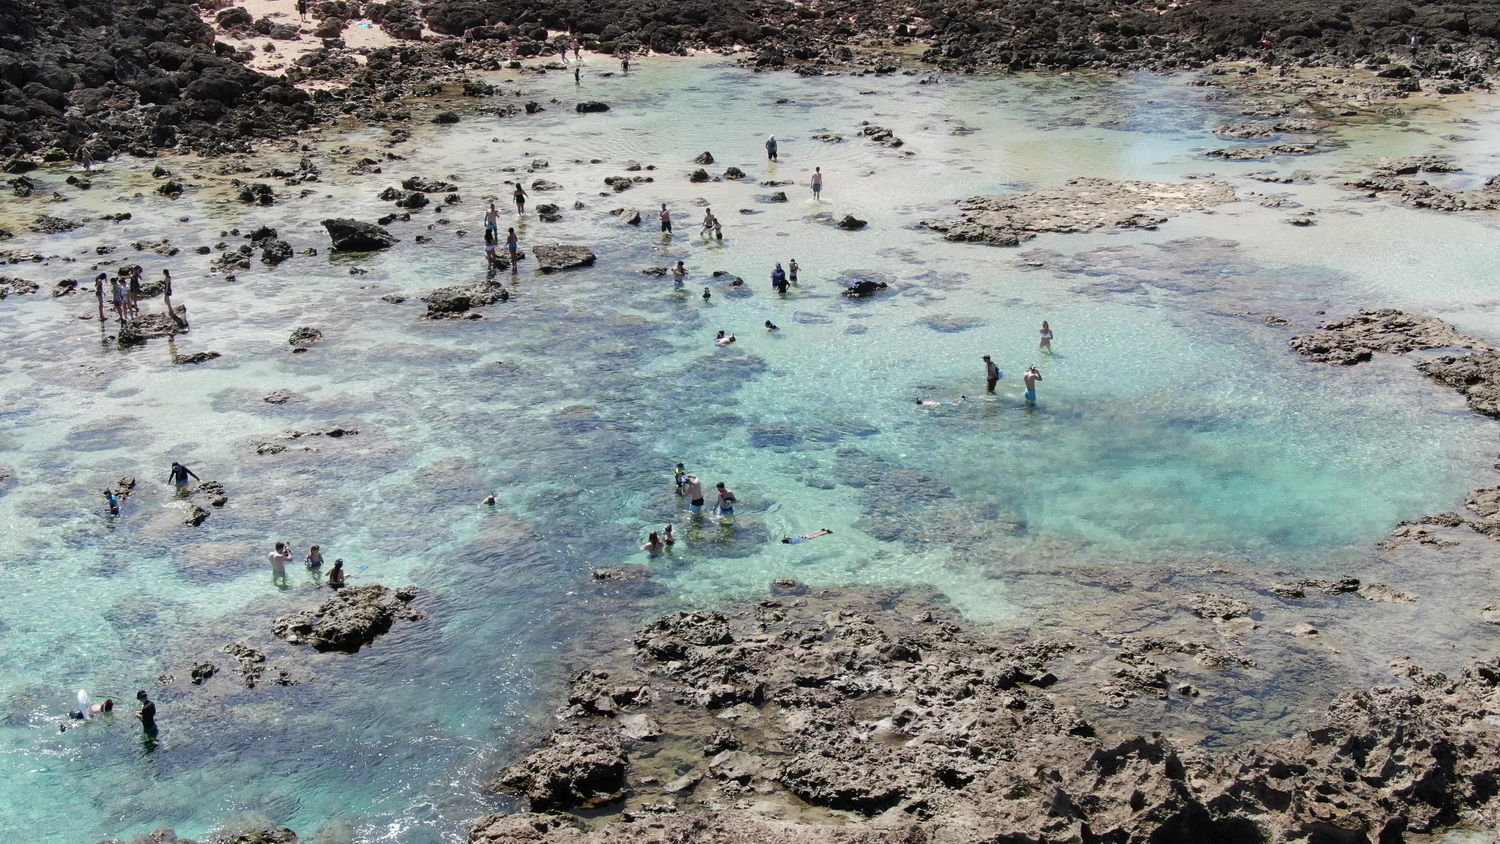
(791, 270)
(1046, 337)
(722, 340)
(678, 476)
(113, 501)
(147, 713)
(991, 375)
(279, 558)
(692, 490)
(793, 540)
(314, 559)
(771, 326)
(1032, 376)
(706, 294)
(653, 545)
(336, 576)
(678, 272)
(936, 403)
(725, 505)
(667, 538)
(489, 500)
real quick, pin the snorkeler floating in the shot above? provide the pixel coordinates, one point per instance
(795, 540)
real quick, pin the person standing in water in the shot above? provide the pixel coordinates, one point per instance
(520, 197)
(667, 538)
(1032, 376)
(778, 280)
(489, 247)
(279, 558)
(1046, 345)
(817, 183)
(725, 505)
(709, 221)
(771, 149)
(678, 273)
(653, 545)
(624, 64)
(679, 475)
(492, 219)
(513, 246)
(99, 292)
(113, 502)
(791, 270)
(147, 713)
(166, 295)
(336, 576)
(314, 561)
(577, 49)
(179, 474)
(991, 375)
(666, 219)
(692, 490)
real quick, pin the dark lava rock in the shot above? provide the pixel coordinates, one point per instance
(1476, 376)
(305, 336)
(350, 619)
(548, 212)
(138, 330)
(445, 117)
(273, 252)
(417, 183)
(1385, 330)
(195, 358)
(258, 193)
(47, 224)
(699, 175)
(734, 174)
(579, 768)
(851, 223)
(355, 236)
(704, 157)
(552, 257)
(452, 301)
(591, 106)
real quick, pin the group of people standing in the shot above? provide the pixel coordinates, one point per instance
(1033, 375)
(125, 292)
(313, 562)
(690, 487)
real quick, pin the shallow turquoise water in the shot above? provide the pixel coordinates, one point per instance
(1173, 422)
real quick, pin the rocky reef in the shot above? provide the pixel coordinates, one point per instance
(1078, 205)
(841, 717)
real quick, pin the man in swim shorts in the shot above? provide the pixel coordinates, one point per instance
(725, 505)
(1032, 376)
(991, 375)
(279, 558)
(666, 219)
(692, 489)
(492, 219)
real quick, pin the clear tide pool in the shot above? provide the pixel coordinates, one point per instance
(1173, 422)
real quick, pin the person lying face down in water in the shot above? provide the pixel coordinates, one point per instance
(936, 403)
(794, 540)
(861, 289)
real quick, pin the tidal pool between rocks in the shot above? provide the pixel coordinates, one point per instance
(1173, 424)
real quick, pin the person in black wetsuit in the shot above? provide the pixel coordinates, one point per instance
(147, 713)
(179, 474)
